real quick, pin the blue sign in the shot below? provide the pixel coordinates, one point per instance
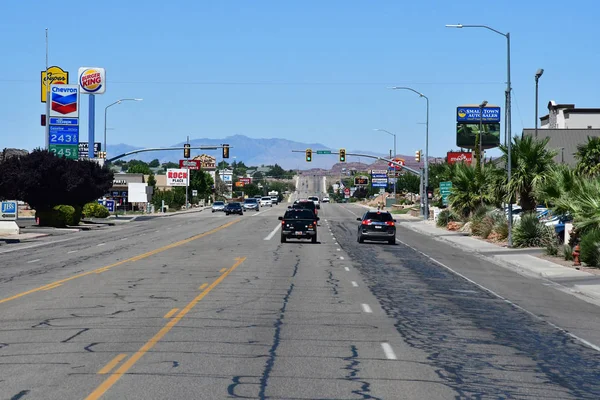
(8, 210)
(109, 204)
(64, 134)
(472, 114)
(379, 185)
(63, 121)
(383, 176)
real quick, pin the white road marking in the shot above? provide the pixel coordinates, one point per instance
(36, 245)
(157, 230)
(347, 269)
(72, 251)
(124, 238)
(366, 308)
(356, 215)
(270, 235)
(490, 291)
(32, 261)
(101, 244)
(389, 352)
(339, 249)
(354, 284)
(341, 258)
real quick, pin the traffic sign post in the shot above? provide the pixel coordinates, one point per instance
(9, 211)
(445, 188)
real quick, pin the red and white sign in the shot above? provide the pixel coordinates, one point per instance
(246, 181)
(347, 192)
(460, 156)
(190, 164)
(397, 167)
(177, 177)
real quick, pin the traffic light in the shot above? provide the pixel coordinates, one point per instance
(342, 155)
(225, 151)
(308, 155)
(186, 150)
(418, 156)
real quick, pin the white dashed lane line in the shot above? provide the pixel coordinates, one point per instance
(32, 261)
(366, 308)
(270, 235)
(347, 269)
(354, 284)
(101, 244)
(72, 251)
(389, 352)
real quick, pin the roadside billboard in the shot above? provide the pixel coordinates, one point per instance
(177, 177)
(466, 133)
(65, 100)
(54, 75)
(459, 156)
(92, 80)
(246, 181)
(190, 164)
(473, 114)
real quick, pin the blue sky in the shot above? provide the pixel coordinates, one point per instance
(311, 71)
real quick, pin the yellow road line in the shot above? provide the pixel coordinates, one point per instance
(170, 313)
(223, 270)
(113, 363)
(115, 376)
(203, 286)
(52, 285)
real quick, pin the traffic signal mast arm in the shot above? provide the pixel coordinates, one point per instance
(388, 160)
(162, 149)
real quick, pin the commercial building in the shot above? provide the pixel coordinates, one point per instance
(567, 127)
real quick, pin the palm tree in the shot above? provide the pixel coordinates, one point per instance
(531, 164)
(556, 189)
(583, 203)
(471, 188)
(588, 157)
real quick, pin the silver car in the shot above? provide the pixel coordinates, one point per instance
(218, 206)
(251, 204)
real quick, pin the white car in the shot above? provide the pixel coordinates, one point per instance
(315, 200)
(266, 201)
(325, 199)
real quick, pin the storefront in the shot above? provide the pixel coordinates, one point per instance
(118, 191)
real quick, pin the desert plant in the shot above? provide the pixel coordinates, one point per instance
(530, 232)
(590, 248)
(552, 247)
(567, 252)
(482, 222)
(444, 217)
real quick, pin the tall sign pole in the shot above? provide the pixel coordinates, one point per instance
(48, 100)
(187, 181)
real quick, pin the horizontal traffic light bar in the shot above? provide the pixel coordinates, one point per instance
(165, 148)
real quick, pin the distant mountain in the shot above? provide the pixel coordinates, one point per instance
(252, 152)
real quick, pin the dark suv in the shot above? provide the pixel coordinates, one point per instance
(377, 225)
(306, 204)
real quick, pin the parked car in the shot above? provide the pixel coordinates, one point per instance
(218, 206)
(299, 223)
(377, 225)
(234, 208)
(266, 201)
(251, 204)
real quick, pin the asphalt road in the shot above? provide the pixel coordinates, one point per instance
(208, 306)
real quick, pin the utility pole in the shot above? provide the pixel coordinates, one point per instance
(48, 100)
(187, 181)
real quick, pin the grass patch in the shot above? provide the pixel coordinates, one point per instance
(402, 211)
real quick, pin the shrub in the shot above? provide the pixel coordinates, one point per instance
(444, 217)
(58, 217)
(95, 210)
(568, 252)
(530, 232)
(482, 221)
(501, 226)
(590, 248)
(552, 247)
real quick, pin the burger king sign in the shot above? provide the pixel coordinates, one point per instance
(92, 80)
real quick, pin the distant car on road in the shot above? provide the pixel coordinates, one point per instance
(299, 223)
(275, 200)
(306, 204)
(377, 225)
(251, 204)
(315, 200)
(234, 208)
(218, 206)
(266, 201)
(325, 199)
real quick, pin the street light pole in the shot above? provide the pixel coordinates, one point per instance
(395, 154)
(538, 74)
(426, 164)
(508, 125)
(105, 112)
(481, 107)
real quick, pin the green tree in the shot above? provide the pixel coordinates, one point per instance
(471, 188)
(169, 164)
(152, 181)
(408, 182)
(588, 157)
(223, 165)
(251, 190)
(277, 172)
(139, 169)
(531, 163)
(154, 163)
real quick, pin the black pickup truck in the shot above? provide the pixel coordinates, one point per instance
(299, 224)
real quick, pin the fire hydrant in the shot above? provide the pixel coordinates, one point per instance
(576, 252)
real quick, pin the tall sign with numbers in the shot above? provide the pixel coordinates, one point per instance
(64, 121)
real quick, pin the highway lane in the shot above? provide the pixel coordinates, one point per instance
(237, 314)
(490, 331)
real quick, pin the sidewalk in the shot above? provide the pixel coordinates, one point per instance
(21, 237)
(522, 261)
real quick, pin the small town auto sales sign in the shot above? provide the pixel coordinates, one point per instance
(177, 177)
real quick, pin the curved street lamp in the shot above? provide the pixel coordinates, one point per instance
(106, 109)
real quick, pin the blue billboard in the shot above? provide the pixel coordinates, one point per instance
(472, 114)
